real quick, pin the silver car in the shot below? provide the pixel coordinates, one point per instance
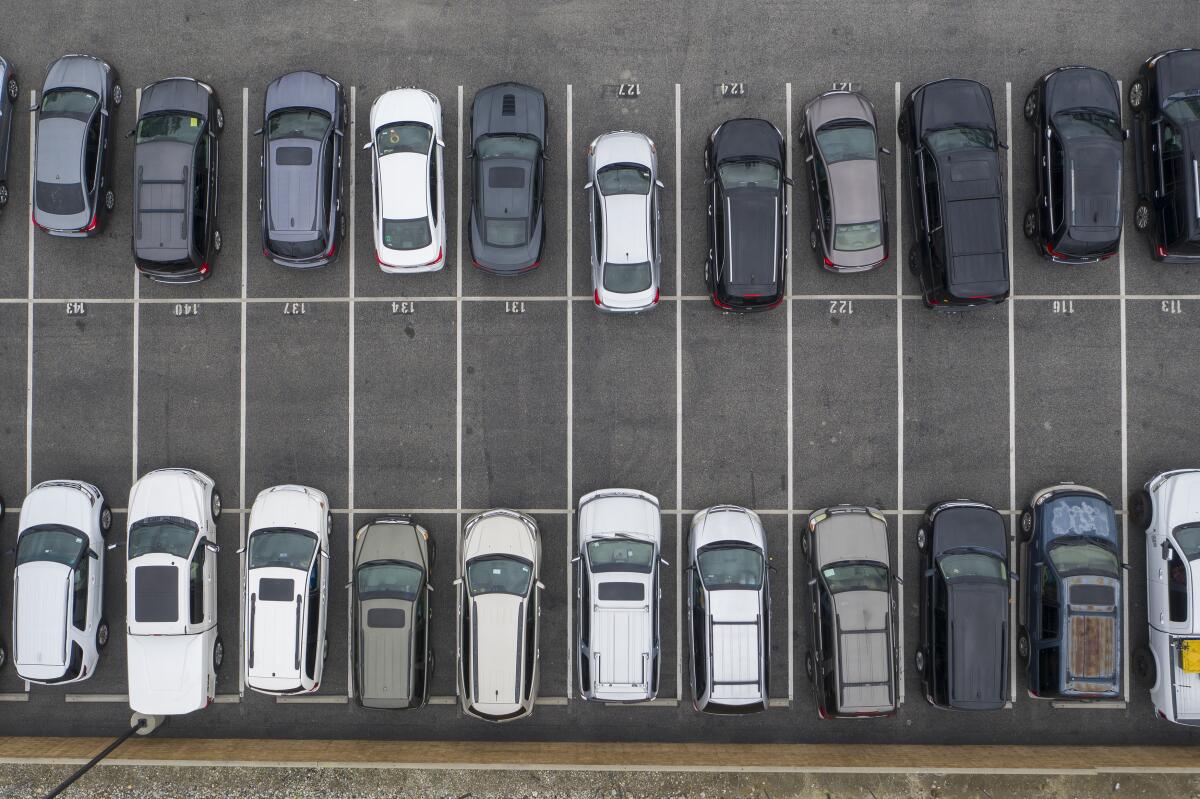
(620, 539)
(623, 208)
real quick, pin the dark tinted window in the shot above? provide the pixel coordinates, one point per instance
(403, 137)
(585, 606)
(699, 636)
(620, 592)
(531, 614)
(196, 585)
(183, 128)
(156, 598)
(503, 146)
(847, 142)
(620, 554)
(389, 581)
(91, 154)
(855, 577)
(79, 589)
(1057, 187)
(386, 618)
(933, 202)
(749, 174)
(598, 221)
(1048, 660)
(505, 232)
(276, 589)
(297, 124)
(628, 278)
(1083, 122)
(54, 544)
(200, 198)
(1183, 109)
(499, 575)
(624, 179)
(1177, 586)
(60, 198)
(824, 200)
(433, 186)
(311, 644)
(71, 103)
(861, 236)
(1188, 537)
(1050, 627)
(942, 141)
(163, 535)
(972, 564)
(287, 549)
(731, 567)
(406, 234)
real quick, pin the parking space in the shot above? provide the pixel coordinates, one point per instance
(13, 363)
(15, 224)
(10, 681)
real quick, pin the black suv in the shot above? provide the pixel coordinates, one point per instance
(745, 167)
(963, 654)
(952, 165)
(175, 162)
(1075, 113)
(1165, 99)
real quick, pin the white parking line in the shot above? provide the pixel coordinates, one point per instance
(1124, 443)
(570, 387)
(137, 324)
(791, 498)
(678, 408)
(353, 152)
(242, 405)
(899, 297)
(458, 368)
(29, 311)
(1012, 409)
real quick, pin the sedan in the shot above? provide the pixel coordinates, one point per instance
(74, 136)
(408, 200)
(508, 145)
(10, 92)
(304, 117)
(623, 189)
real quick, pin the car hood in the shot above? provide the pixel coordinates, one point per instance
(621, 147)
(60, 150)
(58, 504)
(498, 632)
(385, 635)
(290, 507)
(167, 493)
(1081, 87)
(851, 536)
(405, 105)
(733, 525)
(175, 94)
(390, 542)
(747, 138)
(953, 102)
(855, 189)
(41, 596)
(977, 528)
(302, 90)
(500, 535)
(168, 674)
(618, 513)
(295, 175)
(509, 108)
(1179, 499)
(833, 106)
(979, 643)
(77, 72)
(1178, 72)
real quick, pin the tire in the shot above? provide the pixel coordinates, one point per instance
(812, 239)
(102, 634)
(1031, 107)
(806, 545)
(1137, 94)
(216, 241)
(105, 520)
(342, 226)
(14, 89)
(1026, 525)
(1145, 673)
(921, 538)
(110, 200)
(117, 94)
(1030, 225)
(810, 668)
(1141, 509)
(919, 661)
(914, 259)
(219, 120)
(902, 128)
(432, 553)
(218, 653)
(214, 505)
(1023, 645)
(3, 194)
(1141, 216)
(3, 656)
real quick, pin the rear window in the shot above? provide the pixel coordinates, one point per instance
(303, 123)
(298, 249)
(403, 137)
(60, 198)
(71, 103)
(624, 179)
(183, 128)
(863, 236)
(505, 232)
(406, 234)
(628, 278)
(55, 545)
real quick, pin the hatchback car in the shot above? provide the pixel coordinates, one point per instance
(729, 611)
(745, 167)
(72, 180)
(1165, 100)
(508, 146)
(499, 608)
(175, 166)
(304, 118)
(1069, 605)
(623, 208)
(849, 227)
(618, 648)
(10, 92)
(1075, 113)
(852, 660)
(408, 200)
(962, 657)
(58, 592)
(956, 193)
(287, 590)
(393, 563)
(173, 647)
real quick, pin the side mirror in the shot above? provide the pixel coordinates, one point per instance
(241, 550)
(708, 181)
(788, 182)
(458, 581)
(1167, 552)
(469, 154)
(33, 108)
(92, 554)
(116, 545)
(429, 588)
(771, 569)
(1002, 145)
(575, 559)
(663, 561)
(808, 158)
(258, 132)
(325, 554)
(885, 151)
(929, 572)
(212, 546)
(350, 583)
(659, 183)
(441, 143)
(899, 580)
(812, 580)
(131, 132)
(587, 186)
(541, 586)
(368, 145)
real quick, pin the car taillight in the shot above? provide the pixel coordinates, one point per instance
(1161, 250)
(266, 253)
(752, 296)
(1161, 715)
(379, 260)
(717, 302)
(436, 260)
(475, 263)
(1053, 252)
(332, 249)
(204, 268)
(656, 296)
(1107, 255)
(92, 225)
(596, 296)
(829, 262)
(36, 223)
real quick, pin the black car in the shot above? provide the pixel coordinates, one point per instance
(1075, 113)
(10, 92)
(956, 192)
(963, 654)
(175, 160)
(304, 120)
(1165, 99)
(508, 145)
(745, 165)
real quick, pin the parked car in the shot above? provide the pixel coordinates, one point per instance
(729, 611)
(72, 179)
(508, 148)
(956, 193)
(408, 198)
(1168, 509)
(620, 543)
(173, 647)
(287, 590)
(745, 168)
(852, 658)
(10, 92)
(393, 564)
(1165, 100)
(1069, 605)
(623, 210)
(849, 223)
(499, 608)
(962, 657)
(175, 166)
(58, 593)
(304, 119)
(1075, 113)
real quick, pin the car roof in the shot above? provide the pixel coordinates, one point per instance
(752, 238)
(978, 646)
(163, 198)
(498, 652)
(404, 186)
(386, 629)
(864, 651)
(626, 226)
(854, 187)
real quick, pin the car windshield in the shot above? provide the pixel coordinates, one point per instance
(749, 174)
(70, 103)
(623, 179)
(620, 555)
(971, 564)
(732, 567)
(285, 549)
(1076, 557)
(406, 234)
(389, 581)
(166, 536)
(499, 575)
(297, 123)
(1183, 109)
(183, 128)
(505, 232)
(627, 278)
(947, 139)
(507, 146)
(1188, 537)
(403, 137)
(862, 236)
(1085, 122)
(854, 141)
(855, 577)
(53, 544)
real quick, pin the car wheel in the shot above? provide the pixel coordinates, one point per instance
(1137, 94)
(1141, 216)
(102, 634)
(1031, 107)
(3, 656)
(105, 520)
(810, 668)
(218, 654)
(342, 228)
(806, 545)
(1144, 670)
(432, 552)
(1030, 227)
(219, 119)
(1023, 645)
(921, 539)
(117, 94)
(914, 262)
(902, 128)
(919, 661)
(216, 241)
(812, 239)
(1026, 525)
(1141, 509)
(3, 194)
(214, 505)
(14, 91)
(110, 200)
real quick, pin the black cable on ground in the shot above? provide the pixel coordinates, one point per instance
(85, 768)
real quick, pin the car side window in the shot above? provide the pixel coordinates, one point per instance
(1057, 190)
(719, 227)
(419, 654)
(654, 224)
(585, 606)
(827, 622)
(598, 221)
(196, 584)
(92, 153)
(1177, 586)
(933, 203)
(1049, 604)
(79, 590)
(537, 189)
(824, 201)
(531, 614)
(699, 634)
(941, 626)
(433, 183)
(1048, 661)
(311, 644)
(327, 172)
(200, 196)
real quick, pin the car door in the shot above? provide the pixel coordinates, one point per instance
(200, 201)
(823, 208)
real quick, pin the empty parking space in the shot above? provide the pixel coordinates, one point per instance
(555, 605)
(14, 363)
(10, 681)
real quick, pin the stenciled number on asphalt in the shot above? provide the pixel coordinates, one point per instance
(295, 308)
(1063, 306)
(407, 307)
(843, 86)
(733, 89)
(630, 91)
(841, 307)
(187, 309)
(1172, 306)
(514, 306)
(76, 308)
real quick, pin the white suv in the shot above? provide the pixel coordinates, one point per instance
(287, 590)
(58, 595)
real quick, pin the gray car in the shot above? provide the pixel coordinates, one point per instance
(8, 98)
(74, 136)
(849, 228)
(508, 145)
(393, 560)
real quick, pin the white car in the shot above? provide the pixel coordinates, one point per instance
(498, 610)
(58, 595)
(287, 590)
(623, 209)
(407, 187)
(1168, 508)
(174, 650)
